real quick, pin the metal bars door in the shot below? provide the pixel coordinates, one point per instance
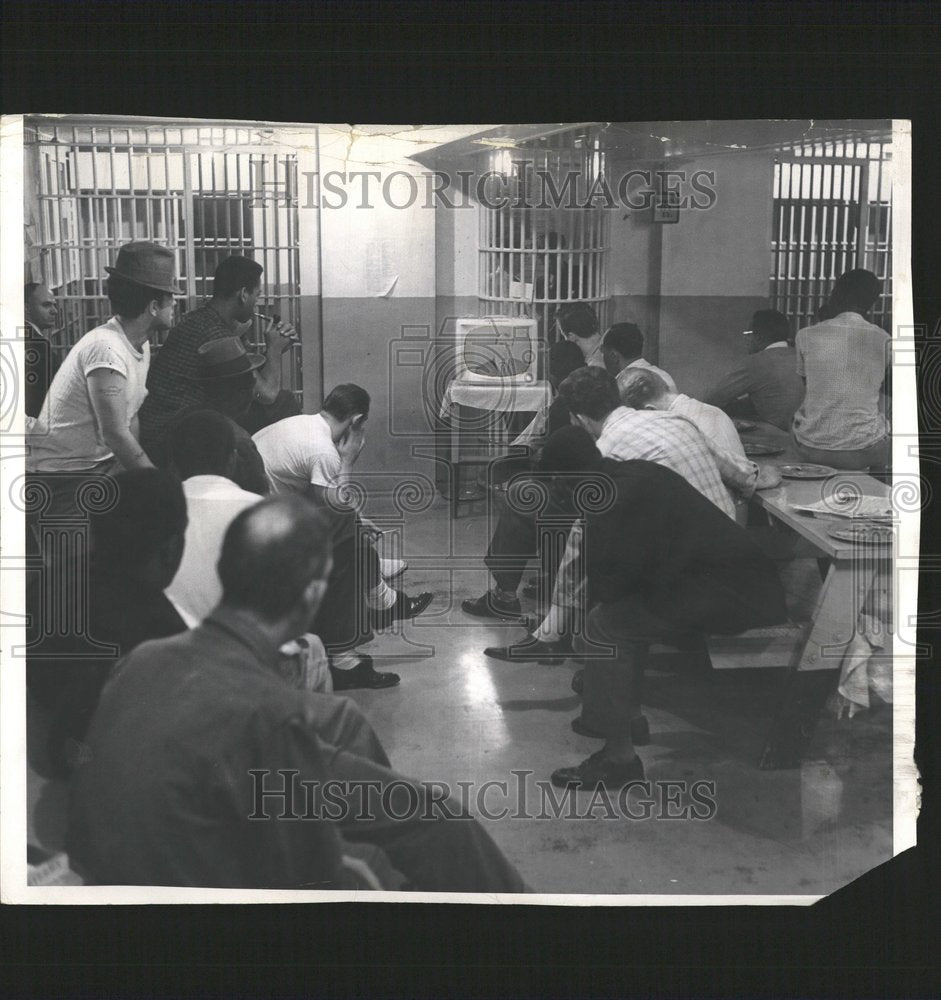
(540, 250)
(204, 191)
(832, 212)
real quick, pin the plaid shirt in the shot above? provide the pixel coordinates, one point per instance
(172, 384)
(653, 436)
(667, 439)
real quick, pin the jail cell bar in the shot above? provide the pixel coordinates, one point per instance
(203, 191)
(832, 212)
(534, 257)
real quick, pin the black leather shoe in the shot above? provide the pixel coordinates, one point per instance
(599, 771)
(640, 730)
(528, 651)
(488, 606)
(405, 607)
(363, 675)
(578, 681)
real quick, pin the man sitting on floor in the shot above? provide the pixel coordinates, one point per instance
(195, 738)
(765, 385)
(591, 395)
(662, 564)
(173, 384)
(623, 349)
(313, 455)
(136, 546)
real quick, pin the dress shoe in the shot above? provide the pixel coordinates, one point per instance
(489, 606)
(405, 607)
(640, 730)
(528, 651)
(599, 771)
(363, 675)
(391, 569)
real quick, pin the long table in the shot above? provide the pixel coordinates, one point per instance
(849, 578)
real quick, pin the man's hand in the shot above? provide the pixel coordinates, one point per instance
(351, 444)
(768, 477)
(279, 337)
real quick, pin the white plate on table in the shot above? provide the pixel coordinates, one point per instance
(807, 470)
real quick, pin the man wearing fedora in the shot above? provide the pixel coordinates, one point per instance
(174, 384)
(89, 420)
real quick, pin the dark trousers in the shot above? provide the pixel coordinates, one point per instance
(611, 695)
(342, 621)
(515, 540)
(438, 848)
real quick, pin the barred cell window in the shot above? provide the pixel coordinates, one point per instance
(547, 244)
(203, 191)
(832, 212)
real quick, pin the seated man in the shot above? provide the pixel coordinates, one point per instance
(181, 785)
(844, 361)
(202, 451)
(661, 563)
(578, 324)
(765, 385)
(623, 348)
(41, 315)
(136, 546)
(173, 384)
(591, 395)
(645, 390)
(313, 455)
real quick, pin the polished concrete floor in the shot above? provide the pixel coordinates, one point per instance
(459, 717)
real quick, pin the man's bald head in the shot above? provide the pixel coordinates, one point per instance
(271, 554)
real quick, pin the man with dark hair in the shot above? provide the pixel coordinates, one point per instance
(41, 315)
(173, 384)
(313, 455)
(188, 795)
(844, 360)
(623, 350)
(136, 546)
(578, 324)
(89, 420)
(662, 563)
(201, 451)
(766, 384)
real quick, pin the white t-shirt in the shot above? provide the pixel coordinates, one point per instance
(297, 452)
(65, 436)
(212, 504)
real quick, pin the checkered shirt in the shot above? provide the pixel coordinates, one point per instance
(667, 439)
(172, 384)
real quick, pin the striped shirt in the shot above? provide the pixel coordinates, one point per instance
(667, 439)
(844, 361)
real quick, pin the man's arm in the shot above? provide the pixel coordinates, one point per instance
(107, 390)
(278, 337)
(737, 383)
(328, 490)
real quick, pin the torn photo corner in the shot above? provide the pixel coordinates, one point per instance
(479, 701)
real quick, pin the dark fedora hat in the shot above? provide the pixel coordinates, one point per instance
(147, 264)
(225, 358)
